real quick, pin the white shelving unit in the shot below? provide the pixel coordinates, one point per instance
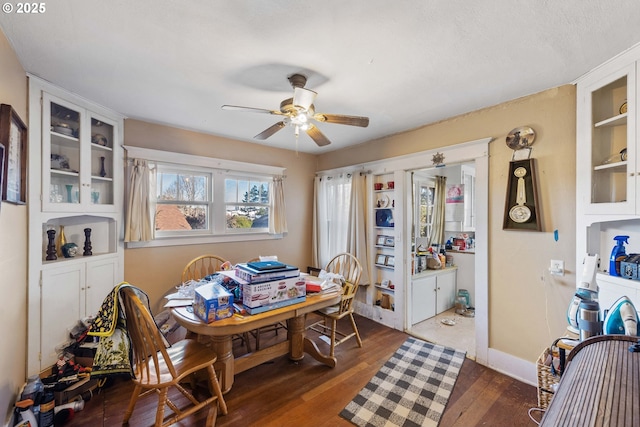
(607, 168)
(385, 296)
(76, 182)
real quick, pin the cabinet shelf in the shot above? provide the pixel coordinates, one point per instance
(388, 267)
(385, 288)
(619, 120)
(100, 147)
(64, 140)
(78, 259)
(612, 166)
(64, 172)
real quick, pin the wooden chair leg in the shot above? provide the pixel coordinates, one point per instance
(355, 329)
(162, 400)
(334, 325)
(132, 404)
(215, 389)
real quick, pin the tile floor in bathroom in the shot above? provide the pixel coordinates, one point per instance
(461, 335)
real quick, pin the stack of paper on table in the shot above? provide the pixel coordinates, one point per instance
(178, 300)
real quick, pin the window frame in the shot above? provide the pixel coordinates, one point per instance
(219, 169)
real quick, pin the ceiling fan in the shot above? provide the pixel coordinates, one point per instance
(298, 113)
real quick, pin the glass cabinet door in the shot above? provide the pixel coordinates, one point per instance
(78, 160)
(101, 161)
(611, 144)
(61, 153)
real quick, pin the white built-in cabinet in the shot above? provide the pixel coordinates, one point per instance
(432, 292)
(608, 168)
(75, 184)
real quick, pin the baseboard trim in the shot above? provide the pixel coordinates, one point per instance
(517, 368)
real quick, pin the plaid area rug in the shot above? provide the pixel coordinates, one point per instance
(411, 389)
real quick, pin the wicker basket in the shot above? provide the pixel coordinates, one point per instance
(546, 379)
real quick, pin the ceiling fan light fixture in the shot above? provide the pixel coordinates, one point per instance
(299, 111)
(303, 98)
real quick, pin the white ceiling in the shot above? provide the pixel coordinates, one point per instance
(403, 64)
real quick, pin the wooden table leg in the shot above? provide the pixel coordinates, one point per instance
(224, 365)
(299, 344)
(295, 333)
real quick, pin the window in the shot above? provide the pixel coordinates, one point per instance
(199, 199)
(246, 203)
(186, 202)
(183, 201)
(426, 192)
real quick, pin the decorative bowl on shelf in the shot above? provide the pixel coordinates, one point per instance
(62, 128)
(59, 161)
(99, 139)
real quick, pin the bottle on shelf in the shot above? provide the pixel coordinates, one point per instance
(62, 240)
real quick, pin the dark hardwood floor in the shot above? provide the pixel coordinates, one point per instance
(283, 393)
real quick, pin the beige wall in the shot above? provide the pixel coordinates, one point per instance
(527, 306)
(13, 251)
(158, 269)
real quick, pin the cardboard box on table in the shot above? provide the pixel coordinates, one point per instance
(265, 296)
(212, 302)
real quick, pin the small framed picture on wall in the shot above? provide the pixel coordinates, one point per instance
(13, 135)
(381, 259)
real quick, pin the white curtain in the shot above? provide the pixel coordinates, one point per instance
(331, 217)
(140, 206)
(357, 232)
(277, 209)
(437, 222)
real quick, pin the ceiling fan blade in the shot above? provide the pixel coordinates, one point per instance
(318, 136)
(270, 131)
(303, 97)
(342, 119)
(250, 109)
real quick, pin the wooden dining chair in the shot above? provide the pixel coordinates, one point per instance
(202, 266)
(350, 269)
(157, 367)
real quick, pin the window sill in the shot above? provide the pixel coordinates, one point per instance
(201, 240)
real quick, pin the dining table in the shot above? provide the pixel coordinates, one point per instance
(221, 332)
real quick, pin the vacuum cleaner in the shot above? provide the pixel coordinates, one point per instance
(587, 290)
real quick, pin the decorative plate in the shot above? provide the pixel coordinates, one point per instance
(521, 137)
(383, 201)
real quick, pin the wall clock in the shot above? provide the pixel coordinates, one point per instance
(521, 210)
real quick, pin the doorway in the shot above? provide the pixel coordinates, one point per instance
(447, 224)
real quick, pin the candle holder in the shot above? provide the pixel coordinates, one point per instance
(51, 246)
(87, 242)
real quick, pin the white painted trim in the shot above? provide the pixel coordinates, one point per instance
(462, 152)
(477, 151)
(202, 239)
(207, 162)
(517, 368)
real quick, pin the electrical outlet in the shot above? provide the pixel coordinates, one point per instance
(557, 267)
